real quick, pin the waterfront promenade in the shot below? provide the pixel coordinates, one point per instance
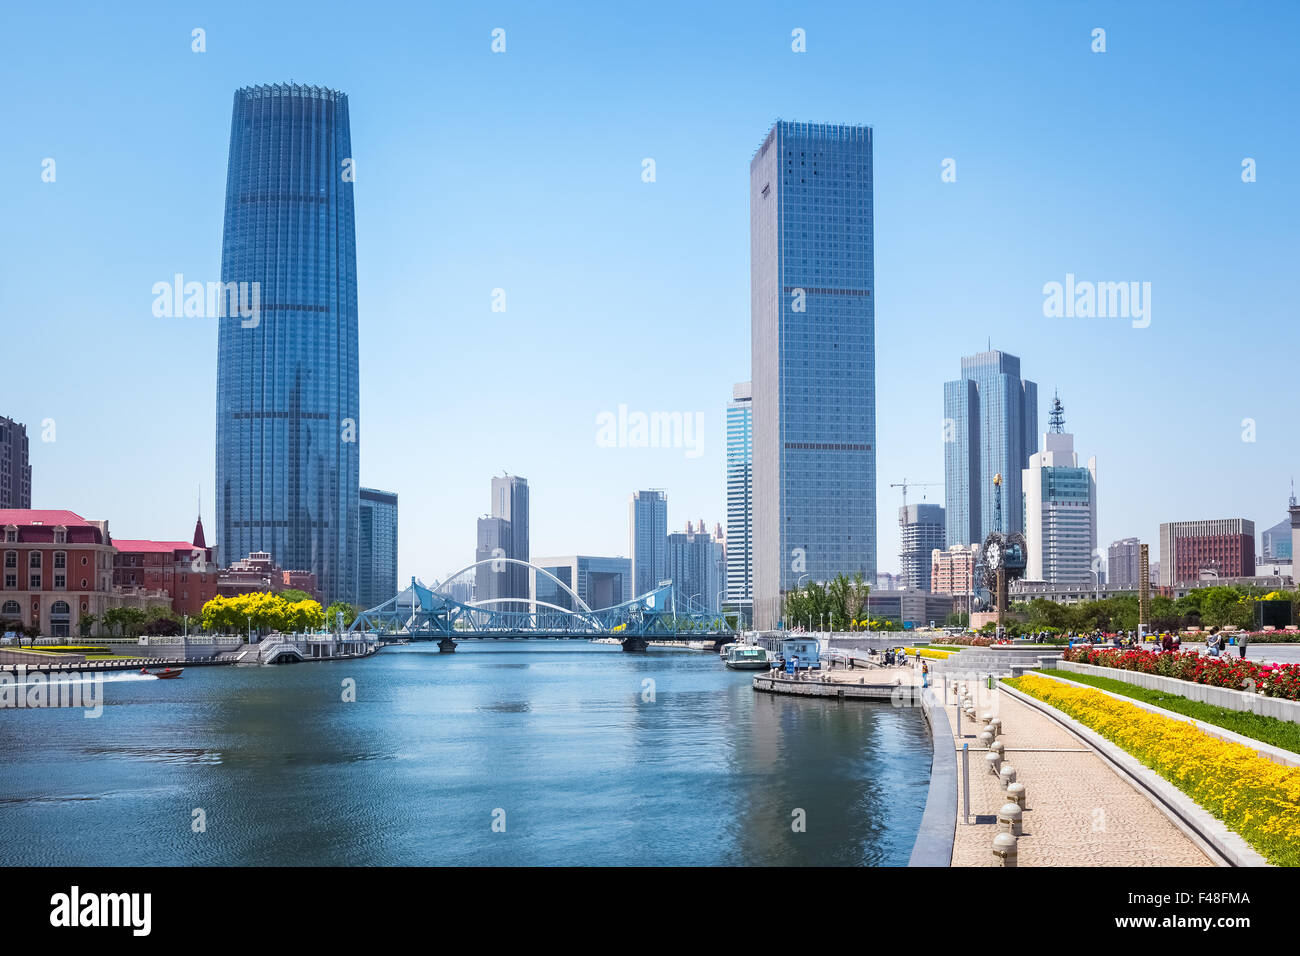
(1079, 812)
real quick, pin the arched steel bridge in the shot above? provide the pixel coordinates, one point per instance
(422, 613)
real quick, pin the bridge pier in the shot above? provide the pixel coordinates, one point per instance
(446, 646)
(634, 643)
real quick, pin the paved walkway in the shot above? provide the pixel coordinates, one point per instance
(1080, 812)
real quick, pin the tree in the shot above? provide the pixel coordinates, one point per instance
(350, 612)
(294, 595)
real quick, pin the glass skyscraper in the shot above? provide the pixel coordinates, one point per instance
(377, 562)
(812, 279)
(990, 428)
(648, 539)
(740, 501)
(287, 385)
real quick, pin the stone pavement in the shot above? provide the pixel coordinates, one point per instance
(1080, 812)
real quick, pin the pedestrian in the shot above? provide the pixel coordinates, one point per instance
(1242, 641)
(925, 674)
(1167, 643)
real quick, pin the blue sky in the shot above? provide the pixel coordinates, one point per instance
(522, 171)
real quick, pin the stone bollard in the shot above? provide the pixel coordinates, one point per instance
(997, 726)
(1007, 775)
(987, 716)
(1004, 849)
(1010, 819)
(993, 761)
(991, 731)
(998, 747)
(1016, 794)
(985, 740)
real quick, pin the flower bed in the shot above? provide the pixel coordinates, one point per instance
(965, 641)
(1271, 680)
(1255, 797)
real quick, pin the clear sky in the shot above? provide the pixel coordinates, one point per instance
(523, 171)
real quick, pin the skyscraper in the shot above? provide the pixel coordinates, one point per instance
(921, 528)
(990, 428)
(693, 566)
(648, 539)
(1122, 563)
(377, 564)
(1060, 509)
(15, 471)
(287, 384)
(505, 535)
(812, 276)
(740, 501)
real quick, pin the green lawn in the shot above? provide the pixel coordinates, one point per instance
(1269, 730)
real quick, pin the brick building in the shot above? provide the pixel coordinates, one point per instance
(951, 569)
(258, 573)
(1206, 550)
(185, 570)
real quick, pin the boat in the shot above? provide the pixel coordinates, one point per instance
(746, 657)
(167, 673)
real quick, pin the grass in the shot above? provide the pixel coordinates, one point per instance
(1269, 730)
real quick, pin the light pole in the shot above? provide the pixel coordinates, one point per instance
(250, 629)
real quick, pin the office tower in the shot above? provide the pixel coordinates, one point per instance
(377, 566)
(952, 570)
(15, 471)
(648, 539)
(1122, 563)
(1275, 542)
(287, 386)
(921, 528)
(812, 278)
(740, 501)
(492, 580)
(1195, 552)
(990, 428)
(600, 582)
(510, 503)
(693, 567)
(1060, 509)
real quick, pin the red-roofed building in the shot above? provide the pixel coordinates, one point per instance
(183, 569)
(56, 567)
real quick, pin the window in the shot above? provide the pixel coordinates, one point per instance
(11, 582)
(60, 559)
(83, 584)
(11, 607)
(34, 559)
(11, 559)
(60, 582)
(11, 534)
(60, 535)
(34, 582)
(83, 561)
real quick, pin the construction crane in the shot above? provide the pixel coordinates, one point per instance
(905, 484)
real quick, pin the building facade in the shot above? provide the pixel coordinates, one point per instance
(922, 531)
(58, 569)
(1060, 509)
(492, 579)
(740, 502)
(287, 380)
(185, 570)
(1122, 563)
(257, 573)
(377, 561)
(694, 568)
(600, 582)
(1206, 551)
(648, 539)
(990, 428)
(812, 294)
(952, 570)
(1275, 542)
(15, 469)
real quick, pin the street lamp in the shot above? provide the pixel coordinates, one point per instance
(250, 629)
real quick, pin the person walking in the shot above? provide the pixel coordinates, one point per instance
(925, 674)
(1242, 641)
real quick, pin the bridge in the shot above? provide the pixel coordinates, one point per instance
(422, 613)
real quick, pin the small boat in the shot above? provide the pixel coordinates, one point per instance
(165, 674)
(746, 657)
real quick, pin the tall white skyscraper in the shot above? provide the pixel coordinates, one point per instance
(648, 539)
(1060, 509)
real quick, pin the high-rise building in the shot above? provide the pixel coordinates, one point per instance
(952, 570)
(990, 428)
(812, 280)
(694, 568)
(492, 580)
(510, 502)
(921, 527)
(1060, 509)
(740, 502)
(1275, 542)
(15, 471)
(1196, 551)
(648, 539)
(600, 582)
(288, 463)
(377, 565)
(1122, 562)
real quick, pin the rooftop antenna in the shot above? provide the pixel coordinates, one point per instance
(1057, 419)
